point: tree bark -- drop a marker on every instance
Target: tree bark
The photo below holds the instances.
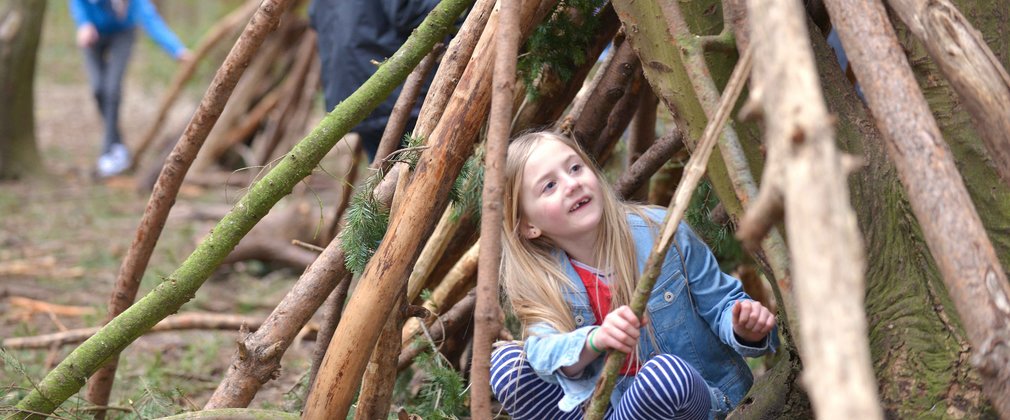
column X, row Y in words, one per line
column 167, row 186
column 165, row 299
column 486, row 311
column 806, row 176
column 971, row 68
column 953, row 230
column 449, row 145
column 20, row 29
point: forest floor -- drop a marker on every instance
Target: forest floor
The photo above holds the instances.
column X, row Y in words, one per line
column 62, row 242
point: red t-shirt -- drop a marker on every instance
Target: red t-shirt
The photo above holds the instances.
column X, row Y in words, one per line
column 599, row 302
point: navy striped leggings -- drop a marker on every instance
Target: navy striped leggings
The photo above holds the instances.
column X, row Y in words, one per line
column 666, row 387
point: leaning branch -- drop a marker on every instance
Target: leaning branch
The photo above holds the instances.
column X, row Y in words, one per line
column 805, row 175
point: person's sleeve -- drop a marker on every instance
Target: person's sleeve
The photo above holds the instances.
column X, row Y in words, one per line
column 156, row 28
column 715, row 293
column 77, row 12
column 408, row 14
column 549, row 350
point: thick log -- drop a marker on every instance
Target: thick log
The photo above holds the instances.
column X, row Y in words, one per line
column 973, row 71
column 957, row 240
column 486, row 323
column 805, row 174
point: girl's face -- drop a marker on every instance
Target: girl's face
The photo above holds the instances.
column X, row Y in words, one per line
column 560, row 196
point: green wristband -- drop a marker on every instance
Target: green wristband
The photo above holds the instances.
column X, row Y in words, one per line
column 591, row 335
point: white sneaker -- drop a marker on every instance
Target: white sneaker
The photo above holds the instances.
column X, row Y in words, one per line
column 114, row 162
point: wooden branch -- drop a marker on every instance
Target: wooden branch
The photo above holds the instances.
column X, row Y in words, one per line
column 608, row 92
column 234, row 414
column 333, row 308
column 578, row 104
column 222, row 28
column 166, row 188
column 658, row 154
column 486, row 323
column 642, row 136
column 682, row 197
column 291, row 90
column 266, row 248
column 619, row 118
column 400, row 115
column 460, row 278
column 454, row 61
column 971, row 270
column 449, row 146
column 804, row 173
column 346, row 188
column 380, row 373
column 446, row 325
column 434, row 247
column 973, row 70
column 183, row 321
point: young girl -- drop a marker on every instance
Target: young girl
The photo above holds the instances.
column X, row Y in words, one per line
column 573, row 254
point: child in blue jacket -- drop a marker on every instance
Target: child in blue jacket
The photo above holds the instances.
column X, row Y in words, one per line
column 105, row 33
column 572, row 255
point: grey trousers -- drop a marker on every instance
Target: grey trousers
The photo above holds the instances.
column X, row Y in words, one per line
column 106, row 63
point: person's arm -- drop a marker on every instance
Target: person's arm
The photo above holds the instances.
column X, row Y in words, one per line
column 147, row 16
column 716, row 294
column 87, row 33
column 77, row 13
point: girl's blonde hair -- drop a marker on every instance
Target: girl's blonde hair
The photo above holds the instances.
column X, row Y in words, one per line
column 532, row 277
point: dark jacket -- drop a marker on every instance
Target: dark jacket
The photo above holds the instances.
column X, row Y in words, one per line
column 353, row 33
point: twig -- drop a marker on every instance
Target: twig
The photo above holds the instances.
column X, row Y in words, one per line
column 447, row 324
column 307, row 245
column 183, row 321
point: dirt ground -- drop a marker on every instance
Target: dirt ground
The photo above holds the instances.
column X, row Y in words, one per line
column 62, row 242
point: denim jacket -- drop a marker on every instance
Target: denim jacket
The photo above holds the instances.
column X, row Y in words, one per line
column 690, row 317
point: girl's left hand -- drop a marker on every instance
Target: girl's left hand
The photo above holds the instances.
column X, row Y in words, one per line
column 751, row 320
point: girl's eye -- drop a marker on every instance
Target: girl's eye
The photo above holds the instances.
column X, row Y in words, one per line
column 576, row 167
column 549, row 186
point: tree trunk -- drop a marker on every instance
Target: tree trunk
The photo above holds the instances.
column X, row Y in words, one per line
column 20, row 29
column 918, row 346
column 939, row 199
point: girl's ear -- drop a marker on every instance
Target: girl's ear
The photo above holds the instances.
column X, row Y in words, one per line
column 529, row 231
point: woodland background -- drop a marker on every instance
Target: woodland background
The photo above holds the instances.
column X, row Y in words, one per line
column 915, row 334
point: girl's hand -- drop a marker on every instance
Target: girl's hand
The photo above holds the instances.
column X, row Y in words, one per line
column 620, row 331
column 751, row 320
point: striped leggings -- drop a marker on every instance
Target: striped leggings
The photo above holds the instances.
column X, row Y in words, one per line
column 666, row 387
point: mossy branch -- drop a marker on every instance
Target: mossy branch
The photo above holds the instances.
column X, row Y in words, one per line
column 181, row 286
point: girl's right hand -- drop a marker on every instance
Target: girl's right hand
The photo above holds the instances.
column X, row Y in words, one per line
column 620, row 331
